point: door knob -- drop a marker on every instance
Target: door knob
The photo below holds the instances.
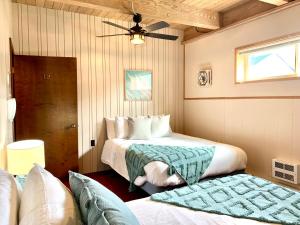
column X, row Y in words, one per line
column 73, row 125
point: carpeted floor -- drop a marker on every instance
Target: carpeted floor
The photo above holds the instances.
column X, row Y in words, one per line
column 116, row 183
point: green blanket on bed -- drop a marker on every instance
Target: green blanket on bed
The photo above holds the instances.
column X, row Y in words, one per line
column 241, row 196
column 189, row 162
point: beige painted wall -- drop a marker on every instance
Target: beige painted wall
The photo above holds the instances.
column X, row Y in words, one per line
column 218, row 51
column 264, row 128
column 101, row 65
column 5, row 126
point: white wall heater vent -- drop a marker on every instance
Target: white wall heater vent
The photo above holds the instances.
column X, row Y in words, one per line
column 286, row 171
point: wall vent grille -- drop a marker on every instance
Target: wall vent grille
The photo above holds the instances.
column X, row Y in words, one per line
column 286, row 171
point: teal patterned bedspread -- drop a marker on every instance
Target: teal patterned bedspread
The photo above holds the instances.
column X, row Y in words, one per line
column 189, row 162
column 241, row 196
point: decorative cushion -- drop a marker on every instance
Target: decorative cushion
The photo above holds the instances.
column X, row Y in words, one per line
column 45, row 200
column 160, row 126
column 99, row 206
column 121, row 127
column 110, row 128
column 9, row 199
column 139, row 128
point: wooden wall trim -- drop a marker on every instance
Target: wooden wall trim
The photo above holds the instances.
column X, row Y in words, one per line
column 248, row 20
column 275, row 2
column 270, row 42
column 244, row 97
column 184, row 71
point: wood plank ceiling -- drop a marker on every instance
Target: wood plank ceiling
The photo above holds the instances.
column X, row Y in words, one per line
column 194, row 16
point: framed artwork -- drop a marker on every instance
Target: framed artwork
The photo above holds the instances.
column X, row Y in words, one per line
column 138, row 85
column 205, row 78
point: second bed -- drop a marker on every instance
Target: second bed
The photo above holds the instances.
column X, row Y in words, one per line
column 227, row 159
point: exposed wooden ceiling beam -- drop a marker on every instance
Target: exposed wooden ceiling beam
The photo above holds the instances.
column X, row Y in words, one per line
column 248, row 20
column 192, row 32
column 174, row 12
column 244, row 11
column 275, row 2
column 233, row 15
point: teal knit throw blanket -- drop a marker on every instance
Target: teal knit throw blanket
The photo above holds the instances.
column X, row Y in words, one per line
column 241, row 196
column 189, row 162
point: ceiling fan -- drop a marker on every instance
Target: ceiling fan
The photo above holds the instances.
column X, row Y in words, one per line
column 137, row 33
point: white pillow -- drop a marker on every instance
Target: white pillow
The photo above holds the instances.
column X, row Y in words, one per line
column 160, row 126
column 9, row 199
column 110, row 128
column 139, row 128
column 121, row 127
column 45, row 200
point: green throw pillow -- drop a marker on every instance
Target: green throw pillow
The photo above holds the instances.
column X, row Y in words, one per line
column 98, row 205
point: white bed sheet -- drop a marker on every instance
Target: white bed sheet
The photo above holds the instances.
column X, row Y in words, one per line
column 227, row 158
column 155, row 213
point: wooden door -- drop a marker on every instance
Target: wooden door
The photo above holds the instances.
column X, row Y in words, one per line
column 45, row 89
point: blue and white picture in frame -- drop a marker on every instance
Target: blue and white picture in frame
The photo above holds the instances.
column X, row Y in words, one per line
column 138, row 85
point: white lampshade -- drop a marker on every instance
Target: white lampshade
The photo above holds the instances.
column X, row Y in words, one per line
column 22, row 155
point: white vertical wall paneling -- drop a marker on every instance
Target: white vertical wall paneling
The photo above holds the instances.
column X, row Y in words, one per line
column 5, row 125
column 101, row 63
column 43, row 31
column 264, row 128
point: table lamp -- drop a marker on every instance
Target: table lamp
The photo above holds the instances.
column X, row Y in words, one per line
column 22, row 155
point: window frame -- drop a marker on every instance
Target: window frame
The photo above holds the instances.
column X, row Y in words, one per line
column 240, row 60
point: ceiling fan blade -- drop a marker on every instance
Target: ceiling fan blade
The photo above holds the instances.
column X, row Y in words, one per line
column 162, row 36
column 111, row 35
column 156, row 26
column 115, row 25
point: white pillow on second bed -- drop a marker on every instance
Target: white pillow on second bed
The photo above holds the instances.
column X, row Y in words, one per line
column 160, row 126
column 110, row 128
column 121, row 127
column 138, row 127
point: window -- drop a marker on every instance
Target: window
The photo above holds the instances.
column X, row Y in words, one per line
column 275, row 60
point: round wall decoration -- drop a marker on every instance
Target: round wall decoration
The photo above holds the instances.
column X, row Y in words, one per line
column 204, row 77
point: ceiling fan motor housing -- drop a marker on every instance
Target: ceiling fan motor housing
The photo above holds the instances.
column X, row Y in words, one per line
column 137, row 18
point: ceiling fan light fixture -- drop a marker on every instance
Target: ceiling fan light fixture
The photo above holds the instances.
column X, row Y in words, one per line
column 137, row 39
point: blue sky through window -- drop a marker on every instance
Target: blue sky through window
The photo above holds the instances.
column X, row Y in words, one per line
column 277, row 61
column 256, row 59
